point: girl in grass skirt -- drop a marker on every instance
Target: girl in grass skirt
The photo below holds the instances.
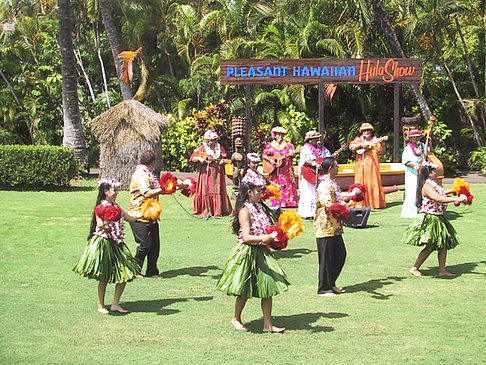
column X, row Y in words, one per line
column 252, row 270
column 430, row 228
column 106, row 258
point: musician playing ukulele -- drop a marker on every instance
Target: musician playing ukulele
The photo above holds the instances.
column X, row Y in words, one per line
column 368, row 149
column 277, row 163
column 211, row 198
column 310, row 155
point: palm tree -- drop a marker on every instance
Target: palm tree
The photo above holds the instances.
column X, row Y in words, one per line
column 73, row 129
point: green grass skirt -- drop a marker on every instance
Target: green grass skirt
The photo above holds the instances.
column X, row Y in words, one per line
column 432, row 230
column 107, row 261
column 252, row 271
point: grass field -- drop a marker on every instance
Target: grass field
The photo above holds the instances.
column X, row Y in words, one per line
column 48, row 314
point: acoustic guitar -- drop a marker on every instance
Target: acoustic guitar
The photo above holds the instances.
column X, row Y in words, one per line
column 312, row 174
column 276, row 160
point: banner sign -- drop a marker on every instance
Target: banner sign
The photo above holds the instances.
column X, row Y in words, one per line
column 317, row 70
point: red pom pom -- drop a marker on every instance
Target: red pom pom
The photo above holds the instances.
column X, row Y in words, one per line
column 279, row 242
column 358, row 197
column 189, row 188
column 339, row 211
column 168, row 183
column 108, row 212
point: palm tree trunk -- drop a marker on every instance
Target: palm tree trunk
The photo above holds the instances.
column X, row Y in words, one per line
column 115, row 45
column 396, row 48
column 461, row 101
column 73, row 129
column 102, row 65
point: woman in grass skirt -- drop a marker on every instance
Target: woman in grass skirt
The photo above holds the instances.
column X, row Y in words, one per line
column 430, row 228
column 252, row 270
column 106, row 258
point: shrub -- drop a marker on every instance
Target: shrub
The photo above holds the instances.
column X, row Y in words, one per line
column 36, row 166
column 477, row 159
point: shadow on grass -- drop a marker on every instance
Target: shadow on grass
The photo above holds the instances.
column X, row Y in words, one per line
column 392, row 204
column 459, row 269
column 293, row 254
column 450, row 215
column 372, row 286
column 297, row 322
column 190, row 271
column 158, row 306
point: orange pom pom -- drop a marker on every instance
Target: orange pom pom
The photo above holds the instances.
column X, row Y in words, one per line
column 151, row 209
column 291, row 223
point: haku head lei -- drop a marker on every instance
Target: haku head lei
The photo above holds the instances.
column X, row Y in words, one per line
column 111, row 182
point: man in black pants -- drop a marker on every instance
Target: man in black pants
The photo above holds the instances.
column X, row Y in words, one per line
column 328, row 231
column 145, row 185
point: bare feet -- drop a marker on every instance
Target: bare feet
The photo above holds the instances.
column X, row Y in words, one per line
column 102, row 310
column 446, row 273
column 336, row 290
column 328, row 293
column 274, row 329
column 117, row 308
column 156, row 277
column 238, row 325
column 138, row 276
column 415, row 272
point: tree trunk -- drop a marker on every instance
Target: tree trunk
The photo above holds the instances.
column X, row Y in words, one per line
column 461, row 101
column 73, row 129
column 396, row 48
column 115, row 45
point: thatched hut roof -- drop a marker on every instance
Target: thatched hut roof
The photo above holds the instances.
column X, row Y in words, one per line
column 124, row 132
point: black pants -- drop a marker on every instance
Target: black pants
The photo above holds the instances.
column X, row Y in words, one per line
column 332, row 255
column 147, row 236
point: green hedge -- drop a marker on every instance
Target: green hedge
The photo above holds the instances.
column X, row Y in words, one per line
column 36, row 166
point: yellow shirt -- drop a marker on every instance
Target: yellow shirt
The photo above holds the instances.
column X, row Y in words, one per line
column 139, row 185
column 325, row 225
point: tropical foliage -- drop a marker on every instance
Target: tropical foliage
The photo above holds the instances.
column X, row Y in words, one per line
column 183, row 41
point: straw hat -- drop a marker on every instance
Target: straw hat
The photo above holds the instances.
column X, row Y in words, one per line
column 279, row 129
column 312, row 135
column 366, row 126
column 210, row 135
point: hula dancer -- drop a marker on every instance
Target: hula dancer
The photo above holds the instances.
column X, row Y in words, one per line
column 106, row 258
column 430, row 227
column 252, row 270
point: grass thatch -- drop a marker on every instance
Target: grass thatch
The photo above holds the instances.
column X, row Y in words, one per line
column 124, row 132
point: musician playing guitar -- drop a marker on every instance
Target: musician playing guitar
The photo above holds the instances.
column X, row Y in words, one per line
column 310, row 155
column 368, row 149
column 211, row 198
column 277, row 163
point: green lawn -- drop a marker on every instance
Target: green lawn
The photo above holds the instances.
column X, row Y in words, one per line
column 48, row 314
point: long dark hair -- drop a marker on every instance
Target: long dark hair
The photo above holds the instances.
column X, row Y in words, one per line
column 425, row 172
column 101, row 196
column 243, row 196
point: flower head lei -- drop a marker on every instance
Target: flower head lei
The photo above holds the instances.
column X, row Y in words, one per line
column 430, row 164
column 111, row 182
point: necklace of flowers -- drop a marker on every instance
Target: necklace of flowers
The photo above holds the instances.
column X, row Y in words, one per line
column 415, row 152
column 279, row 146
column 213, row 153
column 153, row 179
column 334, row 185
column 316, row 151
column 117, row 227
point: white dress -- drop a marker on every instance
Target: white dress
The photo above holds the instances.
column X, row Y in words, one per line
column 307, row 190
column 409, row 209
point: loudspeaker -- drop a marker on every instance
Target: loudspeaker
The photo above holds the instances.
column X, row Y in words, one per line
column 358, row 217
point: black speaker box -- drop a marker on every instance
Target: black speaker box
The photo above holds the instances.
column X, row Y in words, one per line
column 358, row 217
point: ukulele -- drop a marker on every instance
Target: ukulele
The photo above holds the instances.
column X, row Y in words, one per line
column 312, row 174
column 209, row 159
column 276, row 160
column 372, row 144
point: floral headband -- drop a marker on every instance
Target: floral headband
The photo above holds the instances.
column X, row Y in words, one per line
column 111, row 182
column 253, row 157
column 430, row 164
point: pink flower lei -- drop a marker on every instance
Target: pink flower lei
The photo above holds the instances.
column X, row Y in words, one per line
column 153, row 179
column 316, row 151
column 415, row 152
